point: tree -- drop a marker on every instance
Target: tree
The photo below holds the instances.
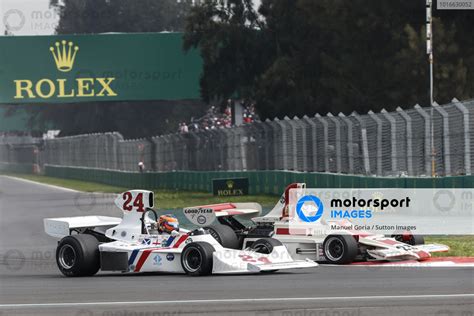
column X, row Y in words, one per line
column 233, row 46
column 330, row 55
column 101, row 16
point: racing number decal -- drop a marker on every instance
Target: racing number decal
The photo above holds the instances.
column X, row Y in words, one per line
column 138, row 203
column 127, row 196
column 248, row 258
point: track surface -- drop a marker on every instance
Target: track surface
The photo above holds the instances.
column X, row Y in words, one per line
column 30, row 283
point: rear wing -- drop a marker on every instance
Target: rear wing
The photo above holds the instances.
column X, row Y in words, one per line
column 206, row 214
column 132, row 203
column 62, row 226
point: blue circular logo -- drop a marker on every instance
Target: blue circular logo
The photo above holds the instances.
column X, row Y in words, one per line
column 315, row 200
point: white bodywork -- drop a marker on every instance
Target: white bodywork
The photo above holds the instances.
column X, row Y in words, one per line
column 155, row 252
column 307, row 244
column 163, row 254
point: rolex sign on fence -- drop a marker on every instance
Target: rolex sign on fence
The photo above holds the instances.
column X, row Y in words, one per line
column 230, row 187
column 106, row 67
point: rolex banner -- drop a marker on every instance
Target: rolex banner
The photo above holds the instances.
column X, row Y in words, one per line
column 106, row 67
column 230, row 187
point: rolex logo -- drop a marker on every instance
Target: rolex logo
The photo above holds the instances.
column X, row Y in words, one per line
column 64, row 55
column 230, row 184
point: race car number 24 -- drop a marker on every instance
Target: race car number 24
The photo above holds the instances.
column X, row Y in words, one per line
column 138, row 202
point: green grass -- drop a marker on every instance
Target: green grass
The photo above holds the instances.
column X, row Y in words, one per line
column 164, row 199
column 71, row 184
column 461, row 246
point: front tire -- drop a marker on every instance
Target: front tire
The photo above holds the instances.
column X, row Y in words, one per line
column 410, row 239
column 78, row 255
column 265, row 246
column 197, row 259
column 340, row 249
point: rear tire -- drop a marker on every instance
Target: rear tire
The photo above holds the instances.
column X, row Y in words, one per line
column 340, row 249
column 196, row 258
column 224, row 235
column 78, row 255
column 265, row 246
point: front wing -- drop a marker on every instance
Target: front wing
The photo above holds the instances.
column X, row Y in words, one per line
column 382, row 248
column 242, row 261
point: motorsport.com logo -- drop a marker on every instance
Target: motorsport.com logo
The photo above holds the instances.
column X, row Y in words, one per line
column 346, row 208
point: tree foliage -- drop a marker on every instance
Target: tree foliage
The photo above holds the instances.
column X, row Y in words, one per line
column 305, row 56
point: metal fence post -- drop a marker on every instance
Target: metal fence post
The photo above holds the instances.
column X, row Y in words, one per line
column 350, row 148
column 409, row 140
column 427, row 141
column 393, row 138
column 467, row 139
column 446, row 139
column 300, row 139
column 337, row 141
column 284, row 142
column 326, row 143
column 365, row 146
column 379, row 141
column 313, row 137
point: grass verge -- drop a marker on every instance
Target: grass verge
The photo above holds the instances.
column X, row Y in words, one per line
column 461, row 246
column 164, row 199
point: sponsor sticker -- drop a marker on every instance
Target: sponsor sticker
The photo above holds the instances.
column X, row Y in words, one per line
column 157, row 260
column 200, row 216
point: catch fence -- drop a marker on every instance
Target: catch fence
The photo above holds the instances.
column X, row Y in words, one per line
column 377, row 144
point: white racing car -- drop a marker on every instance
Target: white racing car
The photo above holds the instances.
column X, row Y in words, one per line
column 142, row 241
column 321, row 245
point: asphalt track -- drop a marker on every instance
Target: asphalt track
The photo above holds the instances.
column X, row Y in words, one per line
column 30, row 283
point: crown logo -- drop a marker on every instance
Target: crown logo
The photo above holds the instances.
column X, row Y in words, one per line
column 230, row 184
column 64, row 55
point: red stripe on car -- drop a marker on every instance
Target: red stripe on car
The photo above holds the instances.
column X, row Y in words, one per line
column 180, row 241
column 142, row 259
column 218, row 207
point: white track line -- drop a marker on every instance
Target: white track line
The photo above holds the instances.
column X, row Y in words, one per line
column 42, row 184
column 242, row 300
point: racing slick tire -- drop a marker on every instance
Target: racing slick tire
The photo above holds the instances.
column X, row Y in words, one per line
column 78, row 255
column 196, row 258
column 265, row 246
column 224, row 235
column 410, row 239
column 340, row 249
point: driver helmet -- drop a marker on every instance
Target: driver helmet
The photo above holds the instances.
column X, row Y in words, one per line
column 168, row 223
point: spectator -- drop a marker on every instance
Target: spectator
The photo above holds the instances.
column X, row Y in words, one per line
column 141, row 167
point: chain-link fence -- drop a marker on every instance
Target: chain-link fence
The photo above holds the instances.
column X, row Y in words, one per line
column 384, row 144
